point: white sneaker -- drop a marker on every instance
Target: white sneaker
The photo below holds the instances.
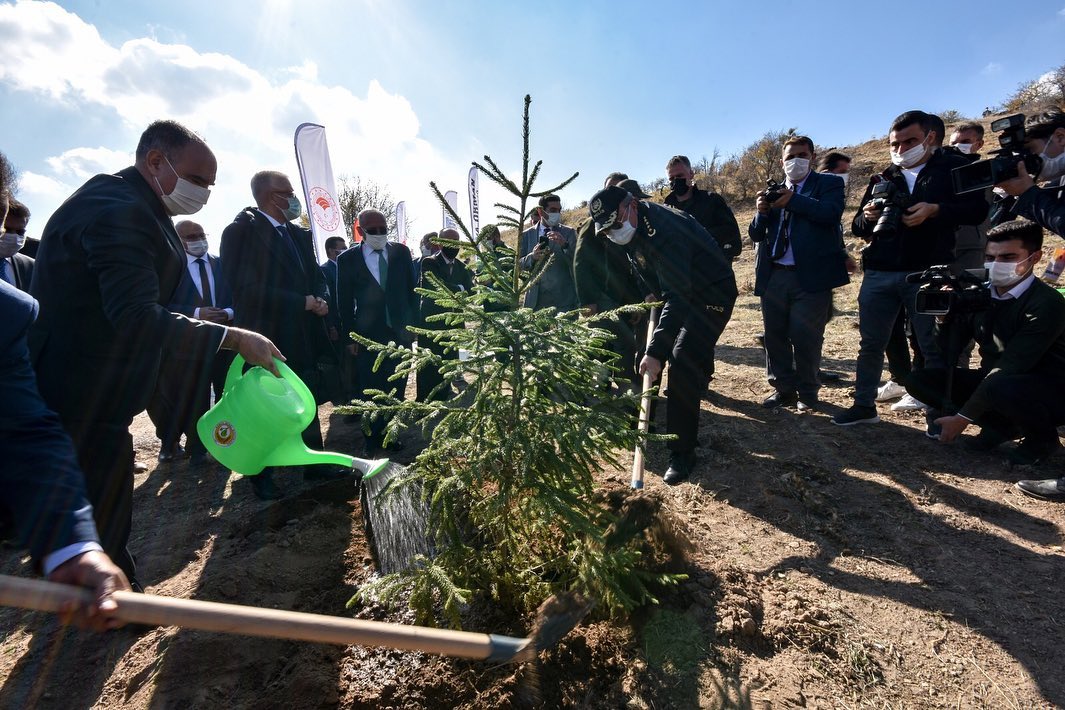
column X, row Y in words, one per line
column 891, row 390
column 908, row 404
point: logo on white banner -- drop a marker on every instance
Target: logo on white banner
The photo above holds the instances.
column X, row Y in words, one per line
column 324, row 208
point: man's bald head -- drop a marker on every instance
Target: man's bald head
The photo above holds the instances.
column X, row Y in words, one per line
column 452, row 234
column 372, row 219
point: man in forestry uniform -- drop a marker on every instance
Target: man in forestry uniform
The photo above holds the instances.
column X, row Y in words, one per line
column 678, row 262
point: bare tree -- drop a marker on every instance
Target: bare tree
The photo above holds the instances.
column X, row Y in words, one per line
column 356, row 194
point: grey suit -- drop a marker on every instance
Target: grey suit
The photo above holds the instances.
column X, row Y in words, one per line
column 555, row 288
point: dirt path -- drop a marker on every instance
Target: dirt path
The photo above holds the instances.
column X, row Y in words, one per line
column 835, row 567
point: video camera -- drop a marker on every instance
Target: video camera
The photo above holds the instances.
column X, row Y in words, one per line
column 893, row 202
column 985, row 173
column 946, row 294
column 773, row 190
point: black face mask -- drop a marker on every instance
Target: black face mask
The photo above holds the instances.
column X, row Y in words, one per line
column 450, row 252
column 678, row 185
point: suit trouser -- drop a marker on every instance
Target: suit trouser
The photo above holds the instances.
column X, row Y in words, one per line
column 430, row 377
column 690, row 366
column 794, row 322
column 1031, row 403
column 105, row 452
column 379, row 380
column 182, row 395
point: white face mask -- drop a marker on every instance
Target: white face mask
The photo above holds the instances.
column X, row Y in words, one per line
column 186, row 198
column 553, row 219
column 909, row 158
column 964, row 148
column 1004, row 274
column 426, row 251
column 1052, row 167
column 796, row 169
column 10, row 243
column 196, row 248
column 376, row 241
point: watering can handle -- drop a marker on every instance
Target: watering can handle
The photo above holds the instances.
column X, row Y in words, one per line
column 236, row 368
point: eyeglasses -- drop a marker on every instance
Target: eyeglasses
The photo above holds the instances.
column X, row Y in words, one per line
column 196, row 235
column 375, row 231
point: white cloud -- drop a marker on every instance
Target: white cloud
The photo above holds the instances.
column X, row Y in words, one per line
column 1061, row 12
column 991, row 69
column 34, row 185
column 83, row 163
column 247, row 118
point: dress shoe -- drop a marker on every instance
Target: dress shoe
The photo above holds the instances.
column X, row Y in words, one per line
column 680, row 468
column 987, row 440
column 171, row 454
column 808, row 404
column 1032, row 451
column 1047, row 489
column 827, row 376
column 264, row 487
column 320, row 473
column 780, row 399
column 201, row 459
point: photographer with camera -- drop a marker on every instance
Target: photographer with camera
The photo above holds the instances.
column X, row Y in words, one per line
column 908, row 215
column 800, row 260
column 1019, row 389
column 1044, row 136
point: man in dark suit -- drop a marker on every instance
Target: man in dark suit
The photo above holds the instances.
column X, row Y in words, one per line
column 455, row 276
column 801, row 258
column 279, row 290
column 183, row 392
column 41, row 486
column 334, row 247
column 16, row 267
column 18, row 219
column 109, row 259
column 39, row 476
column 375, row 293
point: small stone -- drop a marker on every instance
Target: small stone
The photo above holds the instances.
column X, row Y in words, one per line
column 749, row 627
column 228, row 589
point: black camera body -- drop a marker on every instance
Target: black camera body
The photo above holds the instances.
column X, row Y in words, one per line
column 983, row 174
column 773, row 190
column 893, row 202
column 544, row 242
column 943, row 293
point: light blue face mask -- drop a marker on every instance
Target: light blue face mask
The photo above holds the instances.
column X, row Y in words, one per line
column 294, row 209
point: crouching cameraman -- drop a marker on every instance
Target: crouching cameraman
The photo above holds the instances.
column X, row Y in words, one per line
column 1019, row 390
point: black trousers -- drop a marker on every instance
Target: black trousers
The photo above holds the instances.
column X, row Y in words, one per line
column 794, row 322
column 105, row 453
column 430, row 377
column 183, row 394
column 690, row 367
column 368, row 379
column 1030, row 404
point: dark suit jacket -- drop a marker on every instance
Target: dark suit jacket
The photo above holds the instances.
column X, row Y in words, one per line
column 23, row 271
column 109, row 259
column 329, row 271
column 456, row 276
column 816, row 240
column 39, row 476
column 362, row 302
column 270, row 290
column 186, row 300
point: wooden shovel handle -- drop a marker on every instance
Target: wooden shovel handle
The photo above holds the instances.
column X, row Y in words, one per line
column 271, row 623
column 645, row 407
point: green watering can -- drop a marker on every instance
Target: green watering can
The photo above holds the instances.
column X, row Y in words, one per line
column 258, row 422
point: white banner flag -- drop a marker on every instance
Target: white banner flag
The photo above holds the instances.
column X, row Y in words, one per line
column 401, row 222
column 475, row 203
column 319, row 189
column 452, row 199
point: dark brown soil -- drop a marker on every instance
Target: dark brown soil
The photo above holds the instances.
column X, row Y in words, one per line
column 832, row 567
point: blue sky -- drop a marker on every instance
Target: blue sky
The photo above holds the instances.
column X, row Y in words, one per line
column 413, row 91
